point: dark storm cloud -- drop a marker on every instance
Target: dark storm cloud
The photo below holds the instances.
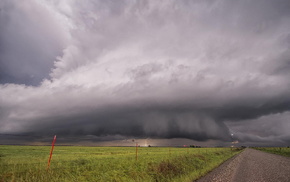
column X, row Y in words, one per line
column 168, row 69
column 266, row 130
column 30, row 40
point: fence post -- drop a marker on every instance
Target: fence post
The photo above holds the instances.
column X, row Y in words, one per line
column 51, row 150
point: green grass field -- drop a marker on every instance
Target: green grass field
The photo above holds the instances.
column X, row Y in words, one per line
column 70, row 163
column 276, row 150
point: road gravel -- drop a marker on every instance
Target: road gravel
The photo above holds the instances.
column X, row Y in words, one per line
column 251, row 166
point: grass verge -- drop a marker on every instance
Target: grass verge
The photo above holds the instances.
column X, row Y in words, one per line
column 284, row 151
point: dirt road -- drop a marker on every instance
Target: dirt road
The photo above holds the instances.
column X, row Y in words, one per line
column 252, row 166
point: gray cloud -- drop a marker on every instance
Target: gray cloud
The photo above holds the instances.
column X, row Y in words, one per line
column 30, row 40
column 266, row 130
column 166, row 69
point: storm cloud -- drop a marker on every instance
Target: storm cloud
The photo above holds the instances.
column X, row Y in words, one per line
column 199, row 70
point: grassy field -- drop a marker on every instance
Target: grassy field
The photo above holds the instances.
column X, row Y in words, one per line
column 276, row 150
column 70, row 163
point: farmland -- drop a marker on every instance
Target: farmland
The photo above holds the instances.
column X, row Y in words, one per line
column 72, row 163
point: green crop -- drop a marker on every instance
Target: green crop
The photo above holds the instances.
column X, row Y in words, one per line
column 71, row 163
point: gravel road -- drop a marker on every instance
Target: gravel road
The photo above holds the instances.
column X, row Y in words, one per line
column 252, row 166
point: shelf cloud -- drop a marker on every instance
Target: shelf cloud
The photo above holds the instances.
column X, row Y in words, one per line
column 201, row 70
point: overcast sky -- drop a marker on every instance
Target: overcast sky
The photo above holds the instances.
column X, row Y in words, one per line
column 94, row 70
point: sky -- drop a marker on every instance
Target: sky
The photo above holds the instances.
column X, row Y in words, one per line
column 206, row 72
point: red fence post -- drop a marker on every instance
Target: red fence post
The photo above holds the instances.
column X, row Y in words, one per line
column 51, row 150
